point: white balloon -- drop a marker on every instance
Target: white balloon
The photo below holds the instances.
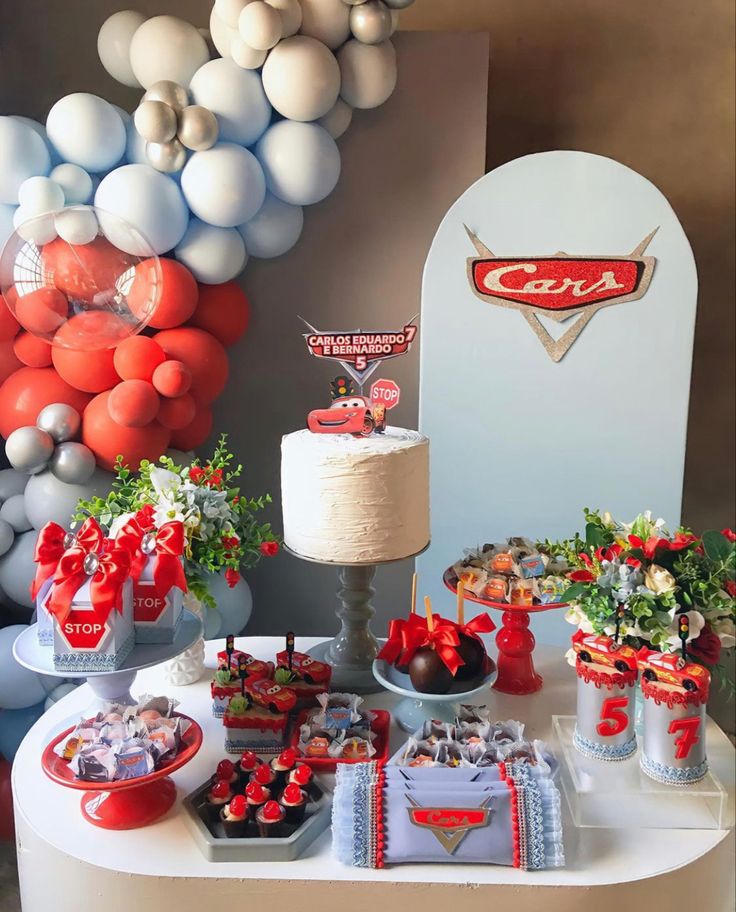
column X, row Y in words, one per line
column 113, row 45
column 245, row 56
column 17, row 568
column 326, row 20
column 274, row 229
column 291, row 15
column 337, row 119
column 229, row 11
column 7, row 537
column 212, row 255
column 87, row 131
column 222, row 34
column 23, row 154
column 19, row 687
column 260, row 25
column 76, row 226
column 34, row 228
column 12, row 482
column 149, row 201
column 300, row 160
column 40, row 194
column 48, row 498
column 236, row 97
column 368, row 73
column 13, row 512
column 166, row 47
column 74, row 181
column 224, row 186
column 301, row 78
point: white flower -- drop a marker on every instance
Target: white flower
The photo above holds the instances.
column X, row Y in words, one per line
column 167, row 510
column 659, row 580
column 697, row 622
column 117, row 524
column 726, row 630
column 165, row 483
column 574, row 615
column 570, row 657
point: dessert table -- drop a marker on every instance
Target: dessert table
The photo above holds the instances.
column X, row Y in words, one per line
column 63, row 861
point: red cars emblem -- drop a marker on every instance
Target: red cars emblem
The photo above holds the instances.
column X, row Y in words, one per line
column 559, row 286
column 449, row 825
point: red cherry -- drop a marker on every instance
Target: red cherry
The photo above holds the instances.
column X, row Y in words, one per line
column 238, row 806
column 220, row 789
column 287, row 758
column 225, row 769
column 293, row 794
column 263, row 775
column 302, row 775
column 248, row 760
column 256, row 793
column 272, row 811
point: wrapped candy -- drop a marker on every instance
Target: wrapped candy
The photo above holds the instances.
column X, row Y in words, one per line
column 337, row 710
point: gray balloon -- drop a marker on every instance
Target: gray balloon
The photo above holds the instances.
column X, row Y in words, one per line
column 155, row 121
column 398, row 4
column 168, row 157
column 180, row 457
column 171, row 93
column 198, row 128
column 60, row 421
column 7, row 537
column 48, row 498
column 17, row 569
column 13, row 511
column 11, row 482
column 371, row 22
column 73, row 463
column 29, row 449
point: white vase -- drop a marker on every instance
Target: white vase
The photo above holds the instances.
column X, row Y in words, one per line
column 188, row 667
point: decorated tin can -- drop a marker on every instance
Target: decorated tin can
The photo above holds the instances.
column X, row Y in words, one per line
column 607, row 674
column 675, row 696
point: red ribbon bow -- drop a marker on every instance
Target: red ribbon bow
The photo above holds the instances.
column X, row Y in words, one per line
column 481, row 623
column 50, row 548
column 167, row 568
column 413, row 634
column 106, row 582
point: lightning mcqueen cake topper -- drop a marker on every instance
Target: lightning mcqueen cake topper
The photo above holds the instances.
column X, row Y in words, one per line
column 560, row 286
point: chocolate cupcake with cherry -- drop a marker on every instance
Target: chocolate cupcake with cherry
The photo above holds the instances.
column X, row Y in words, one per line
column 270, row 820
column 217, row 797
column 263, row 775
column 246, row 765
column 234, row 817
column 256, row 796
column 302, row 776
column 294, row 802
column 226, row 771
column 282, row 765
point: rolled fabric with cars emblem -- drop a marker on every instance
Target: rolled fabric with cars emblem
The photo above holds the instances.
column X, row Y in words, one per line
column 607, row 675
column 675, row 695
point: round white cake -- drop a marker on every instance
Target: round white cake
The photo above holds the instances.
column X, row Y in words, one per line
column 353, row 500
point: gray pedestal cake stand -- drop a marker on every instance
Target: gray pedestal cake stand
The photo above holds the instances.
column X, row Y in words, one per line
column 353, row 650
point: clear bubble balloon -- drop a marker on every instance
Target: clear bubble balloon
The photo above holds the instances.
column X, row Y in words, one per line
column 73, row 290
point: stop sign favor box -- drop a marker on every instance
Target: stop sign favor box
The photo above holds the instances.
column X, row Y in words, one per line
column 156, row 617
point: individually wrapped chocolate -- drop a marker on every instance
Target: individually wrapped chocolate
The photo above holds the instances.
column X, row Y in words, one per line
column 337, row 710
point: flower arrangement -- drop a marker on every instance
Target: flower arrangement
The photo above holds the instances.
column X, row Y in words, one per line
column 221, row 529
column 655, row 577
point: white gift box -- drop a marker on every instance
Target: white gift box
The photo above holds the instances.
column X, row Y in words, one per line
column 44, row 620
column 156, row 619
column 82, row 643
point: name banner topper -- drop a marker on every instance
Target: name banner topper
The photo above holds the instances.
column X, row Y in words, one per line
column 360, row 352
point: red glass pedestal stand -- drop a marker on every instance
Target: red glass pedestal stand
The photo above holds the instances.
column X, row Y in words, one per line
column 515, row 641
column 129, row 803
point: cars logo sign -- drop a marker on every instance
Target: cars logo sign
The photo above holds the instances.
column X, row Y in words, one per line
column 559, row 287
column 449, row 825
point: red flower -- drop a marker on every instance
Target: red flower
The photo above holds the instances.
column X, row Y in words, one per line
column 729, row 534
column 196, row 473
column 269, row 548
column 581, row 576
column 232, row 577
column 144, row 517
column 215, row 478
column 682, row 540
column 609, row 553
column 230, row 541
column 707, row 647
column 633, row 562
column 731, row 588
column 585, row 558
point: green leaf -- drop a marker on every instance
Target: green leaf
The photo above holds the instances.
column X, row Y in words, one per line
column 574, row 592
column 594, row 535
column 716, row 546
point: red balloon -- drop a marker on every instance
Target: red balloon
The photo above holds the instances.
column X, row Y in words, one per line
column 137, row 357
column 9, row 326
column 84, row 270
column 202, row 354
column 92, row 330
column 32, row 351
column 172, row 379
column 178, row 413
column 9, row 362
column 177, row 293
column 195, row 433
column 133, row 403
column 90, row 371
column 30, row 389
column 7, row 828
column 42, row 311
column 107, row 439
column 223, row 310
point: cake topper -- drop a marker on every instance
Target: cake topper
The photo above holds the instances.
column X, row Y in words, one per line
column 349, row 413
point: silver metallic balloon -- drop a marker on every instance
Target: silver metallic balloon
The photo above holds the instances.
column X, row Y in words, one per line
column 29, row 449
column 60, row 421
column 155, row 121
column 72, row 463
column 171, row 93
column 371, row 22
column 398, row 4
column 168, row 157
column 198, row 128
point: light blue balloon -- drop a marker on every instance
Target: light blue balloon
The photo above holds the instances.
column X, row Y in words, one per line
column 235, row 96
column 234, row 605
column 7, row 536
column 6, row 224
column 17, row 569
column 224, row 186
column 301, row 162
column 274, row 229
column 13, row 512
column 19, row 687
column 75, row 182
column 12, row 482
column 23, row 154
column 149, row 201
column 87, row 131
column 135, row 147
column 41, row 130
column 212, row 255
column 15, row 725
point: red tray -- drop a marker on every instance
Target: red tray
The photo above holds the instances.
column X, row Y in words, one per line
column 380, row 725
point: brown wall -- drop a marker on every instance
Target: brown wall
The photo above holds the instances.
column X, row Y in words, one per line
column 651, row 84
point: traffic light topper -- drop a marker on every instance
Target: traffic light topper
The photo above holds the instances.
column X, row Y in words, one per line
column 242, row 673
column 290, row 647
column 619, row 617
column 683, row 626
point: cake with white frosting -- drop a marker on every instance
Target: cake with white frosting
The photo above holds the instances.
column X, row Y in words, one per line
column 352, row 499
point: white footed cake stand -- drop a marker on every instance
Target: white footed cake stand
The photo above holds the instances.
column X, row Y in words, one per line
column 352, row 652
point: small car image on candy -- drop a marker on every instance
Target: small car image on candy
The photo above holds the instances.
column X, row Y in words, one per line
column 348, row 415
column 273, row 696
column 670, row 668
column 604, row 650
column 309, row 669
column 256, row 668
